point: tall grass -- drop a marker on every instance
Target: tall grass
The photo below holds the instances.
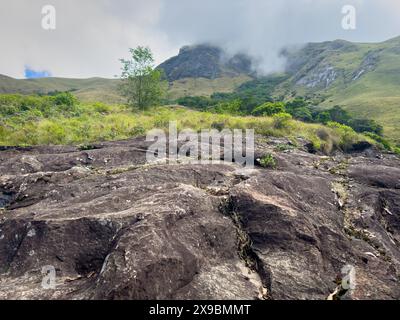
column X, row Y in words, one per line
column 94, row 122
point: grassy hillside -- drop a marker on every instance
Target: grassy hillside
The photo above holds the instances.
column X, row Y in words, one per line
column 363, row 78
column 105, row 90
column 93, row 89
column 33, row 120
column 204, row 87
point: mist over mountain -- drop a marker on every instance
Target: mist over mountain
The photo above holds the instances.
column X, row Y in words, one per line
column 92, row 35
column 361, row 77
column 206, row 61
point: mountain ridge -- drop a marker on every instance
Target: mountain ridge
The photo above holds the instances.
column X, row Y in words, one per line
column 364, row 78
column 205, row 61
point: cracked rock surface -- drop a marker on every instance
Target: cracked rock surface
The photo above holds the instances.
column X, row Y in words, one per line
column 114, row 227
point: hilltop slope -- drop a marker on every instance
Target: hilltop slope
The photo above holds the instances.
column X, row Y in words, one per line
column 205, row 61
column 362, row 77
column 92, row 89
column 204, row 69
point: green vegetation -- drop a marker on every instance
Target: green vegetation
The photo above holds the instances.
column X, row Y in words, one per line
column 283, row 147
column 298, row 108
column 281, row 120
column 61, row 119
column 365, row 87
column 269, row 109
column 141, row 83
column 268, row 161
column 88, row 90
column 204, row 87
column 367, row 80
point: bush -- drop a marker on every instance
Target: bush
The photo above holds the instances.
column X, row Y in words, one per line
column 268, row 161
column 100, row 107
column 339, row 115
column 366, row 125
column 283, row 147
column 197, row 102
column 303, row 114
column 348, row 137
column 382, row 141
column 322, row 117
column 298, row 103
column 65, row 99
column 269, row 109
column 229, row 107
column 281, row 120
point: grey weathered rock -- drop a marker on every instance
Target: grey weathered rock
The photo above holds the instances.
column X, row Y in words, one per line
column 115, row 227
column 205, row 61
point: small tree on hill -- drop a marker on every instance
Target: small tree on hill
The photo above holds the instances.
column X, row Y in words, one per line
column 142, row 84
column 269, row 109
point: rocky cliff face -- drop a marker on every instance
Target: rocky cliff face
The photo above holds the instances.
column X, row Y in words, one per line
column 205, row 61
column 115, row 227
column 321, row 66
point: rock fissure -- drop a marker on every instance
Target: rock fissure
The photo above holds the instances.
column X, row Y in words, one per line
column 129, row 230
column 246, row 251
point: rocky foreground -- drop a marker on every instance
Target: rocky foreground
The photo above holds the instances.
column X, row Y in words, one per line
column 115, row 227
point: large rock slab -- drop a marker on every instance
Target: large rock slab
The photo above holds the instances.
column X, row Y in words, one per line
column 114, row 227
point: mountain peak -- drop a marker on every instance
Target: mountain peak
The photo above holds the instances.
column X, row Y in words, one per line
column 205, row 61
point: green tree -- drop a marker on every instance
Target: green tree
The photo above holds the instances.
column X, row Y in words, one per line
column 303, row 114
column 338, row 114
column 322, row 117
column 297, row 103
column 142, row 84
column 269, row 109
column 366, row 125
column 281, row 120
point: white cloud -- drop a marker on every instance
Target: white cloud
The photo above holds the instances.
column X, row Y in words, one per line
column 92, row 35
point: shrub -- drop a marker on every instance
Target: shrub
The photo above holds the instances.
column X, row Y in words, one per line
column 382, row 141
column 269, row 109
column 281, row 120
column 297, row 103
column 339, row 115
column 322, row 117
column 65, row 99
column 229, row 107
column 348, row 137
column 138, row 131
column 197, row 102
column 283, row 147
column 268, row 161
column 366, row 125
column 101, row 107
column 303, row 114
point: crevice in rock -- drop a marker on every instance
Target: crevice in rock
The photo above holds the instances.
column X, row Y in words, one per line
column 6, row 199
column 118, row 234
column 246, row 251
column 342, row 189
column 14, row 246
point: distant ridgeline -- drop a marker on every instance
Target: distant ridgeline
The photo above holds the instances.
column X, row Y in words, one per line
column 362, row 78
column 205, row 61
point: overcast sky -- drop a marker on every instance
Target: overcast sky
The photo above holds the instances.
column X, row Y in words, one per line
column 91, row 35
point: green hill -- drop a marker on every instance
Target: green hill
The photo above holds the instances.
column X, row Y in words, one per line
column 364, row 78
column 93, row 89
column 105, row 90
